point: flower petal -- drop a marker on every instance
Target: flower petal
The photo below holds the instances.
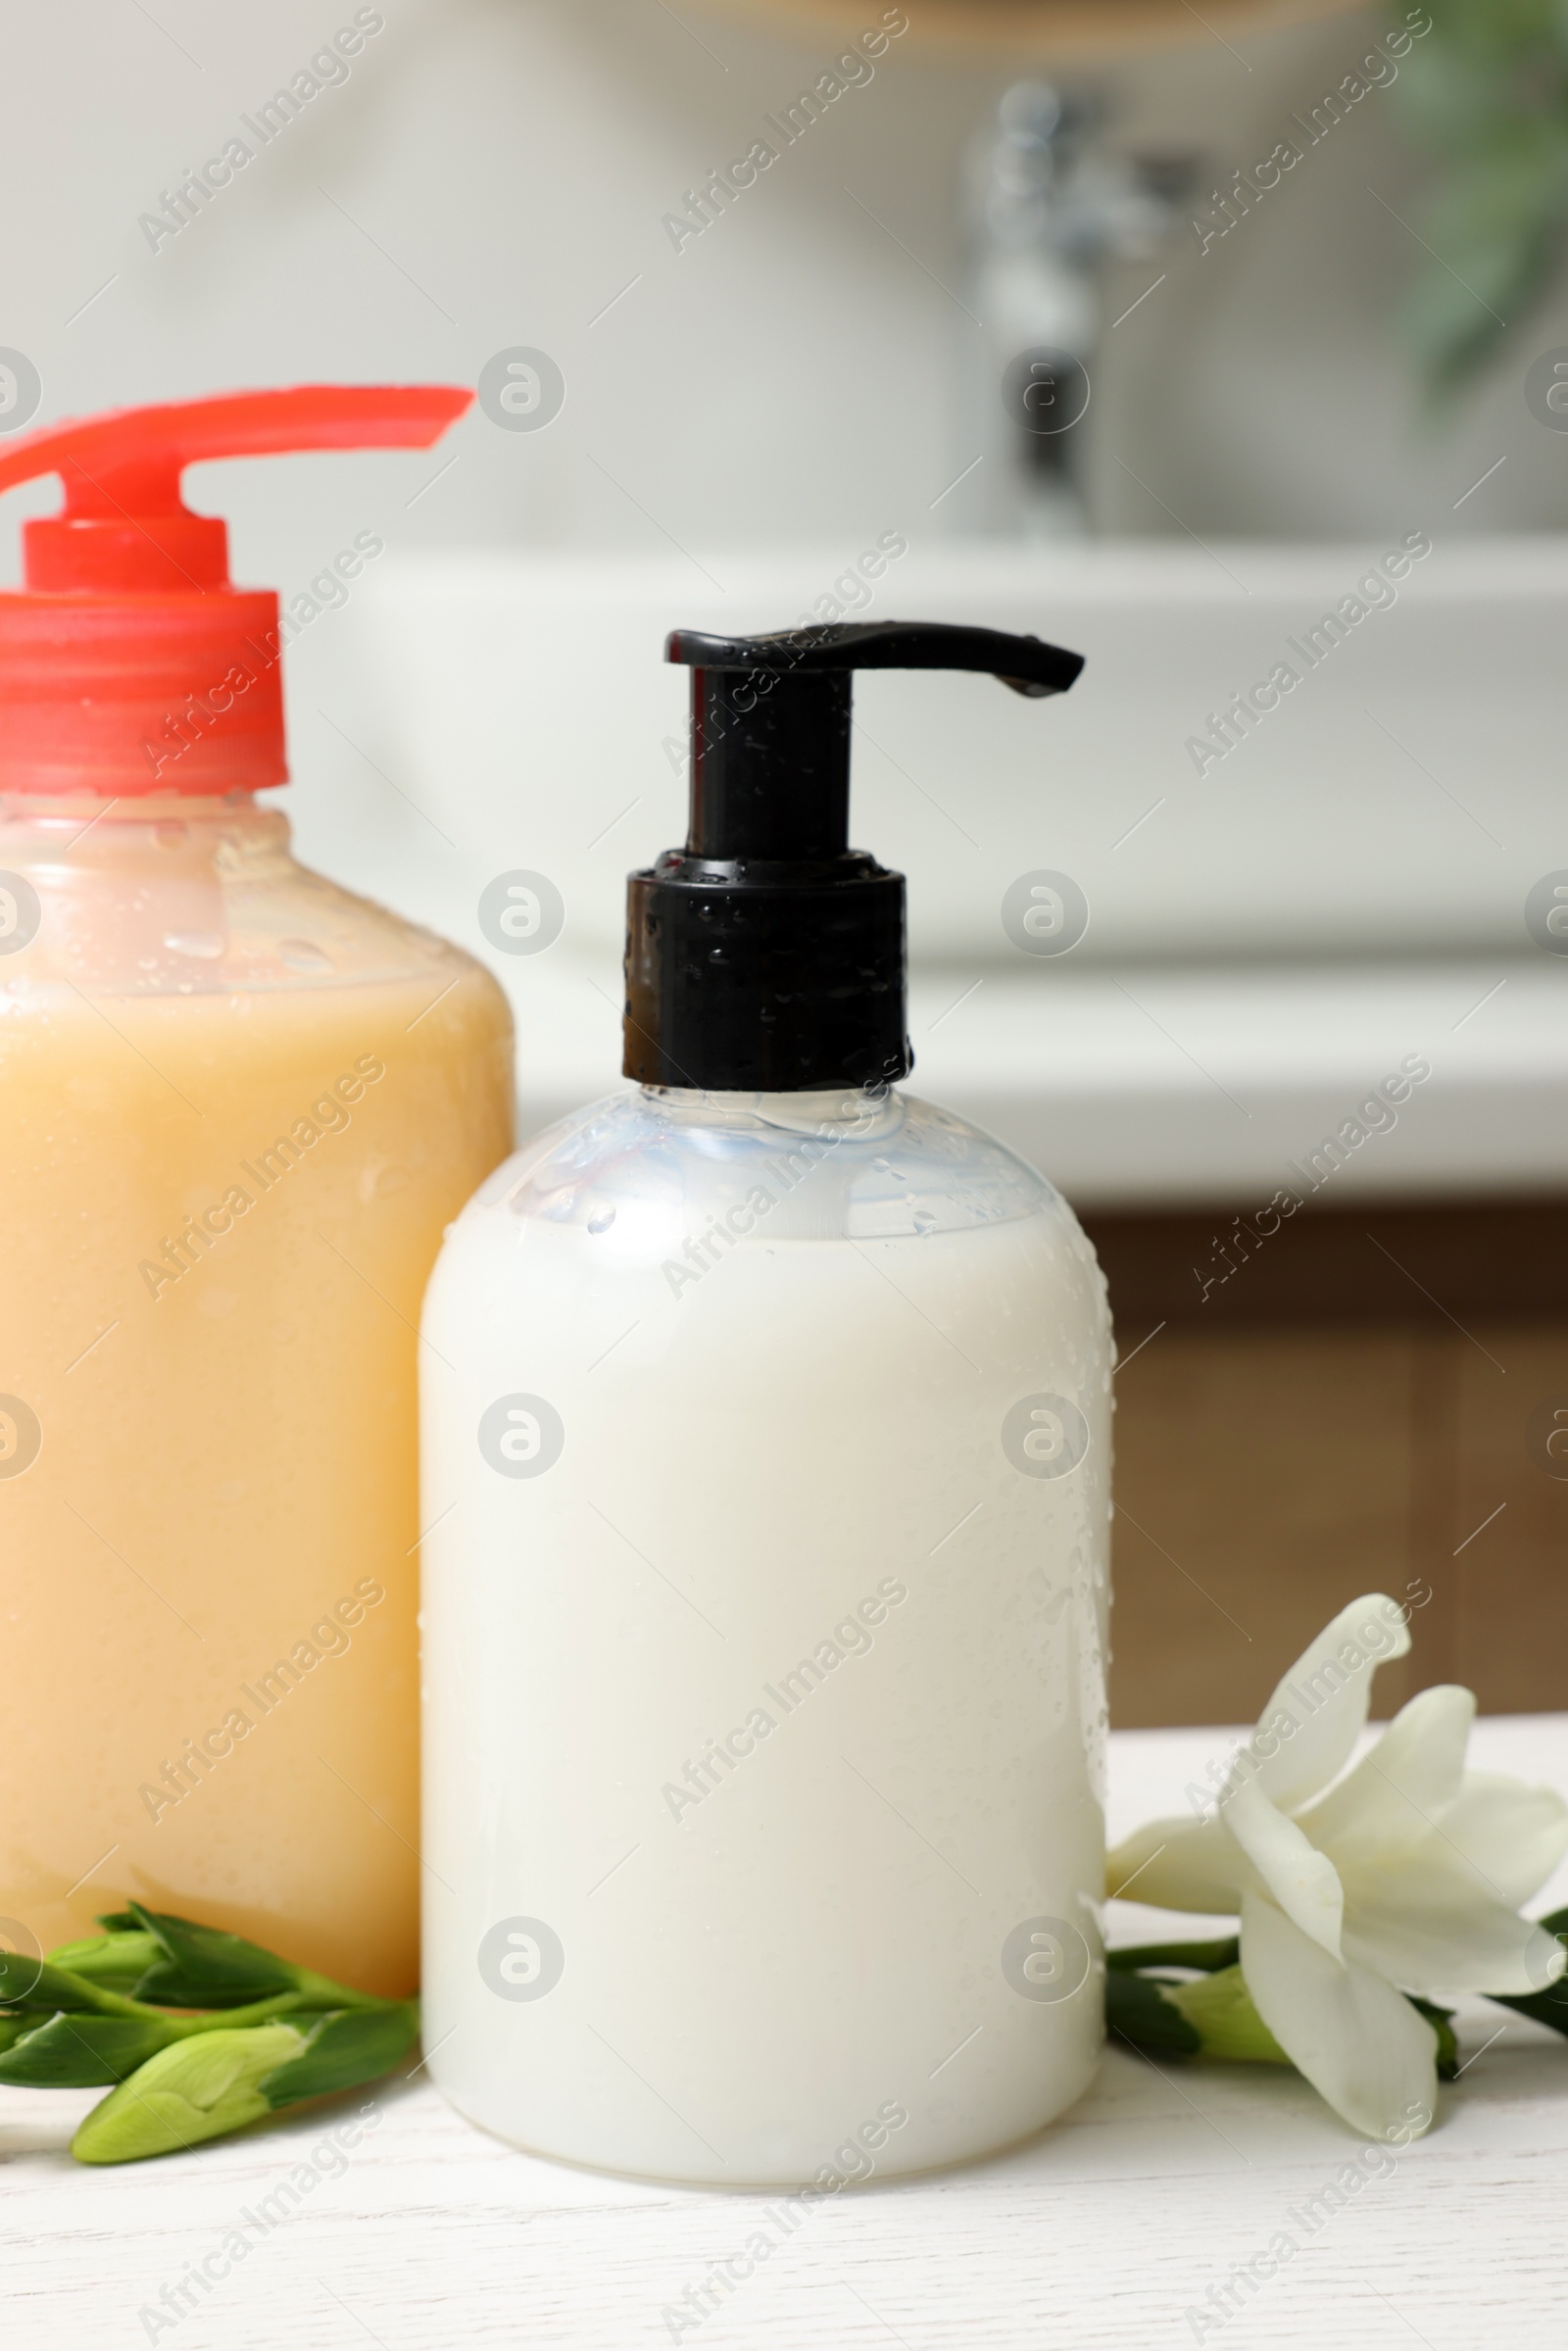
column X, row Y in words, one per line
column 1391, row 1801
column 1305, row 1733
column 1302, row 1880
column 1178, row 1864
column 1512, row 1832
column 1427, row 1928
column 1357, row 2041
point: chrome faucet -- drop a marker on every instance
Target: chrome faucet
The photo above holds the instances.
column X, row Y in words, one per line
column 1048, row 203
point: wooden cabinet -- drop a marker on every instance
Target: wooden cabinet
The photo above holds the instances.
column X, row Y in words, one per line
column 1364, row 1403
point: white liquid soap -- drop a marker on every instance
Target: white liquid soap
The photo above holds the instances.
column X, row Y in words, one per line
column 766, row 1443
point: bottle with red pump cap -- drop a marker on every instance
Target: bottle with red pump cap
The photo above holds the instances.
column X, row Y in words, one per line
column 239, row 1107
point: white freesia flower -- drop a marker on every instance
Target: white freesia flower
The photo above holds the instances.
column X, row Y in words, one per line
column 1403, row 1874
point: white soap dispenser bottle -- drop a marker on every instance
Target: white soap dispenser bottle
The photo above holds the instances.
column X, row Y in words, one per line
column 767, row 1445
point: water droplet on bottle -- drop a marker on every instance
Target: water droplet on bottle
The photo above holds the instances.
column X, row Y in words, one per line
column 601, row 1220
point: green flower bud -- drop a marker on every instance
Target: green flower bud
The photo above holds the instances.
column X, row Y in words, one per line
column 205, row 1966
column 114, row 1961
column 81, row 2051
column 205, row 2085
column 345, row 2048
column 28, row 1982
column 1219, row 2008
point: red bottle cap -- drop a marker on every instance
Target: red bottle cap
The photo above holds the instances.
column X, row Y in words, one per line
column 130, row 663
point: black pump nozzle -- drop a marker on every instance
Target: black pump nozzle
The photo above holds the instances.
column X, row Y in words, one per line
column 768, row 955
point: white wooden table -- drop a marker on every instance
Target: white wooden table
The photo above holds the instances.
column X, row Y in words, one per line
column 1105, row 2231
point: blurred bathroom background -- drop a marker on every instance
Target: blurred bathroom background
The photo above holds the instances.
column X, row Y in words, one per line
column 1165, row 333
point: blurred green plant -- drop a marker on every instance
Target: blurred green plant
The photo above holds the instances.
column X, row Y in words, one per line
column 1487, row 93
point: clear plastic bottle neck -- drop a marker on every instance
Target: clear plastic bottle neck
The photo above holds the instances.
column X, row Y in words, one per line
column 841, row 1111
column 97, row 809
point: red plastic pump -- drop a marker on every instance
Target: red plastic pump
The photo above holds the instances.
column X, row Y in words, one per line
column 130, row 663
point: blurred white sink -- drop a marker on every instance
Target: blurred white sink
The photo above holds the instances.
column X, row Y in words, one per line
column 1339, row 887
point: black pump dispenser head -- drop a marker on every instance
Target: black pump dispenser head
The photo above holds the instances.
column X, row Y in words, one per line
column 768, row 955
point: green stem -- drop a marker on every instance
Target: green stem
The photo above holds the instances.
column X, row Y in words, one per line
column 212, row 2020
column 1548, row 2008
column 1207, row 1957
column 319, row 1992
column 259, row 2012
